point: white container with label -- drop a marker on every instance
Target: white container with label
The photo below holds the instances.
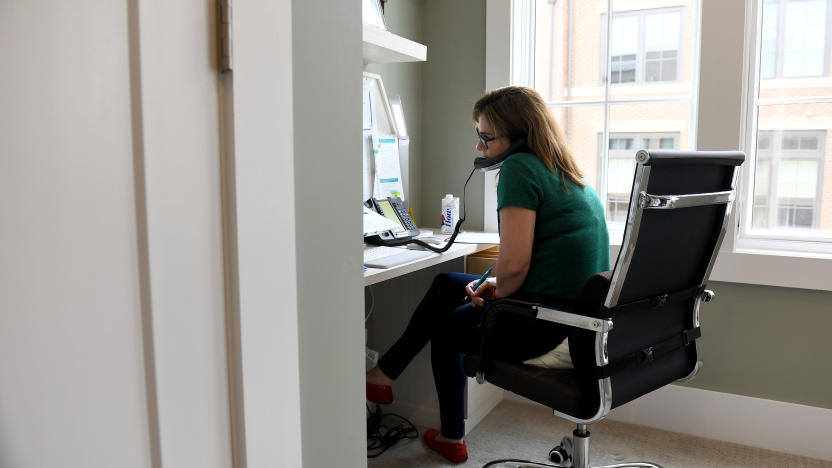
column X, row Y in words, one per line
column 450, row 213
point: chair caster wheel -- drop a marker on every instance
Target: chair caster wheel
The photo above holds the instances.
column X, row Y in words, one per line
column 562, row 454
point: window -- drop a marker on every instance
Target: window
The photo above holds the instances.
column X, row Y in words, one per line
column 788, row 202
column 645, row 98
column 565, row 69
column 644, row 47
column 795, row 38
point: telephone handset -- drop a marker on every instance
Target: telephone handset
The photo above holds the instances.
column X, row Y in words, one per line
column 489, row 164
column 393, row 209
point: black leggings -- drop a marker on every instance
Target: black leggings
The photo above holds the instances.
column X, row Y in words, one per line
column 450, row 324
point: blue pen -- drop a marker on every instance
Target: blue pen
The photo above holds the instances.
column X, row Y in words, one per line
column 481, row 280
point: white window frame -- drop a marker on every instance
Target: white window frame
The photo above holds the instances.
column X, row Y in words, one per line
column 718, row 127
column 772, row 241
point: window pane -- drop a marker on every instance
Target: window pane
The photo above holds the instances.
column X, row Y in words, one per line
column 624, row 35
column 793, row 179
column 663, row 125
column 620, row 176
column 624, row 48
column 582, row 124
column 661, row 31
column 805, row 38
column 797, row 179
column 568, row 68
column 768, row 47
column 648, row 56
column 762, row 174
column 574, row 67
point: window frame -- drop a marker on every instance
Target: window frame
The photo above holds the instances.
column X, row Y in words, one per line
column 746, row 239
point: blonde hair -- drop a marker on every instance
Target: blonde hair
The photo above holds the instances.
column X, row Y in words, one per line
column 519, row 112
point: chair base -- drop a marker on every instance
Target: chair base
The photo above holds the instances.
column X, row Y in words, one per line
column 573, row 452
column 528, row 464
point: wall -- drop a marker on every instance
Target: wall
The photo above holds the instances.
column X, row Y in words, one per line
column 261, row 245
column 326, row 65
column 454, row 78
column 768, row 343
column 72, row 382
column 759, row 341
column 112, row 300
column 404, row 18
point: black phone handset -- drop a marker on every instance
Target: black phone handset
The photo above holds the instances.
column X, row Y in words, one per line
column 489, row 164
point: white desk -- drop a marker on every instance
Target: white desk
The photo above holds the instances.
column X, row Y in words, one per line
column 375, row 275
column 414, row 394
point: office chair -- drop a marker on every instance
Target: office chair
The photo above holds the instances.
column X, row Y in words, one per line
column 634, row 328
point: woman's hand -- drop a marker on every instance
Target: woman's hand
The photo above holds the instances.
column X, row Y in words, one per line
column 485, row 291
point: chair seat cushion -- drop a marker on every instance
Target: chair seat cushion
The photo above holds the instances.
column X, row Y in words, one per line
column 562, row 390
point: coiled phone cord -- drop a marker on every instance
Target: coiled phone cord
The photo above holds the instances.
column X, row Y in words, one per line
column 394, row 243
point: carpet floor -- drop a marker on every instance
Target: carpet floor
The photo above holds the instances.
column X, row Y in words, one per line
column 521, row 430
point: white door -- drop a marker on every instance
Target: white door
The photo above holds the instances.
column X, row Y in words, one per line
column 112, row 304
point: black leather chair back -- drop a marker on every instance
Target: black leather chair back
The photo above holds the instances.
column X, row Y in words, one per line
column 678, row 216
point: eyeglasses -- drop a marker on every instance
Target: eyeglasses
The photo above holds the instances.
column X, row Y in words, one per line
column 484, row 139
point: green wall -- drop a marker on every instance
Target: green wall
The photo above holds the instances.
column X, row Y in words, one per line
column 454, row 79
column 757, row 341
column 768, row 342
column 404, row 17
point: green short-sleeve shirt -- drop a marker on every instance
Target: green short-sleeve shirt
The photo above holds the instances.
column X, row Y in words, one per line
column 571, row 241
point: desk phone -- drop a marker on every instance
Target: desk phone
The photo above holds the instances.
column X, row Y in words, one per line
column 393, row 209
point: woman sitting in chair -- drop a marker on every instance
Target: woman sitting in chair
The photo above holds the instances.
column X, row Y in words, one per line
column 553, row 236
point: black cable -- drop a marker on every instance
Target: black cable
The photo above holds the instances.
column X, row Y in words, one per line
column 395, row 243
column 381, row 436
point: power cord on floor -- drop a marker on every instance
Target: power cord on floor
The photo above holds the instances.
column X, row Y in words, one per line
column 381, row 435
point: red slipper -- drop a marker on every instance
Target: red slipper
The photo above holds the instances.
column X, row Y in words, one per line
column 380, row 393
column 453, row 451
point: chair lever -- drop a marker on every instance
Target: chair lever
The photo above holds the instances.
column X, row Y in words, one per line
column 647, row 355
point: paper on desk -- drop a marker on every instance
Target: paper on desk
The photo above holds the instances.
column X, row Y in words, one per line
column 477, row 238
column 368, row 104
column 388, row 180
column 375, row 223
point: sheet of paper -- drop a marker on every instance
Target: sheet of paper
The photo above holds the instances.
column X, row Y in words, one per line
column 388, row 171
column 375, row 223
column 368, row 182
column 477, row 238
column 368, row 104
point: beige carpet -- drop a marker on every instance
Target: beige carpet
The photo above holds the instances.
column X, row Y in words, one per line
column 526, row 431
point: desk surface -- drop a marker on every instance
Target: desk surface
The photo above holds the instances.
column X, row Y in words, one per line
column 375, row 275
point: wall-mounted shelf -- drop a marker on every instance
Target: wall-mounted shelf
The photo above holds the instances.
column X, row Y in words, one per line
column 382, row 46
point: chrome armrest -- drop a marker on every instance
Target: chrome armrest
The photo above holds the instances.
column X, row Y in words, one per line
column 574, row 320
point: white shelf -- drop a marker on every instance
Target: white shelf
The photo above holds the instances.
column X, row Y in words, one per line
column 382, row 46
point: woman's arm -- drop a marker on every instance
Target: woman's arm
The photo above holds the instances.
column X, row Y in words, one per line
column 516, row 239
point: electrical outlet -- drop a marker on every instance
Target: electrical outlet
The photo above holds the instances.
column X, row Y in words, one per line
column 372, row 357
